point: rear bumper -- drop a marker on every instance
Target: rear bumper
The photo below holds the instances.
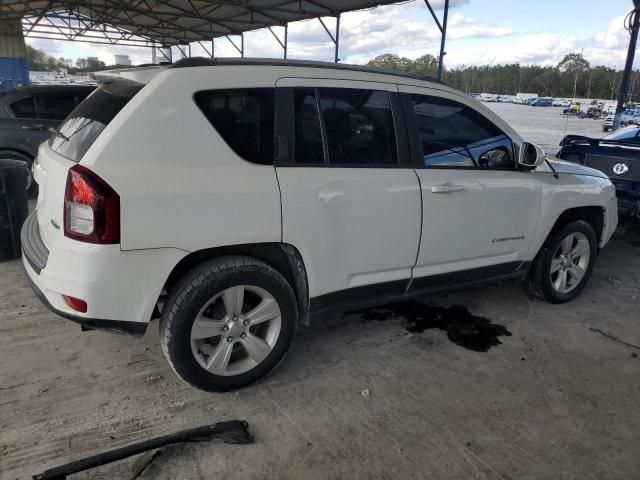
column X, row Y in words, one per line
column 121, row 288
column 136, row 329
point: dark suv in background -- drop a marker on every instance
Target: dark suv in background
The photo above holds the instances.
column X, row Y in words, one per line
column 29, row 114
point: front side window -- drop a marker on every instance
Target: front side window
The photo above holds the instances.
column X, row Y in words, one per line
column 454, row 135
column 24, row 108
column 244, row 118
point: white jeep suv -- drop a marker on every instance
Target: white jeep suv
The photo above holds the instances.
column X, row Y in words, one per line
column 234, row 199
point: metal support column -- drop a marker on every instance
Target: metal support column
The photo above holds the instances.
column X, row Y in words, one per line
column 283, row 44
column 209, row 53
column 240, row 48
column 335, row 39
column 443, row 32
column 624, row 94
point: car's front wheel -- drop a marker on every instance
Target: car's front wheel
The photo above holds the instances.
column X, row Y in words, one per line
column 228, row 323
column 565, row 263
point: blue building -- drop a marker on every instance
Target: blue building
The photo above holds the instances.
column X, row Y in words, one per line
column 13, row 62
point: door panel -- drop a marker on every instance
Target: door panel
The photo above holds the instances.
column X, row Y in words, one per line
column 473, row 217
column 353, row 226
column 490, row 219
column 355, row 222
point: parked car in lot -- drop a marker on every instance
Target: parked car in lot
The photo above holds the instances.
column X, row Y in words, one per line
column 561, row 103
column 608, row 122
column 29, row 114
column 541, row 102
column 235, row 199
column 618, row 156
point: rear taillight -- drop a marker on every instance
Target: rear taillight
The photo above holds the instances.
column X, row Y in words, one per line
column 91, row 208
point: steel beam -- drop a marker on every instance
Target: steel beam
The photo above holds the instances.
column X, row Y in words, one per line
column 443, row 39
column 335, row 39
column 623, row 92
column 443, row 32
column 240, row 48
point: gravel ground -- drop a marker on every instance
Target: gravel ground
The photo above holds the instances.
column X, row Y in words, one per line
column 546, row 126
column 355, row 398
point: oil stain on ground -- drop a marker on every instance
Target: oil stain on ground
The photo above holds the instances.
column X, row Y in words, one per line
column 463, row 328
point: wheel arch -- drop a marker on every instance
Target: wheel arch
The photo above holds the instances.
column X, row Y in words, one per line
column 283, row 257
column 17, row 150
column 593, row 215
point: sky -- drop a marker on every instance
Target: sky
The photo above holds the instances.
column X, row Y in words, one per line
column 479, row 32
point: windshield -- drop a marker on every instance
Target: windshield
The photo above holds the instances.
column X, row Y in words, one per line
column 626, row 133
column 87, row 121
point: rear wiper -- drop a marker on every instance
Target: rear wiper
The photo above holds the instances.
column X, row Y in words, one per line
column 60, row 134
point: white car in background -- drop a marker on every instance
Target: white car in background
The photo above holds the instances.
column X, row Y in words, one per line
column 608, row 122
column 234, row 199
column 561, row 103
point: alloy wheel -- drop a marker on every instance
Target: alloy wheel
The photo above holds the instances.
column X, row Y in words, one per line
column 570, row 262
column 236, row 330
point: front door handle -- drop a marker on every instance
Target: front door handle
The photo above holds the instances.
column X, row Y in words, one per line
column 34, row 127
column 446, row 188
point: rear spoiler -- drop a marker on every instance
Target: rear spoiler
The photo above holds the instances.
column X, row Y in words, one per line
column 135, row 74
column 594, row 142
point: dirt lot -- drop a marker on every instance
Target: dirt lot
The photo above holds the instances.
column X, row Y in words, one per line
column 355, row 398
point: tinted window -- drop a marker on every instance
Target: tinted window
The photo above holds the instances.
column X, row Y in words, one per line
column 358, row 126
column 308, row 136
column 626, row 133
column 87, row 121
column 454, row 135
column 56, row 106
column 244, row 119
column 24, row 108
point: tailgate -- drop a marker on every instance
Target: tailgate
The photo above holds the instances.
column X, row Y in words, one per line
column 50, row 171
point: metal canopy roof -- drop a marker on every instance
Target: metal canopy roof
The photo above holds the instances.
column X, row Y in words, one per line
column 164, row 22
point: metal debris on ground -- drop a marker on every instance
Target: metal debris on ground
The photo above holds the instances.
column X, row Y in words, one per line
column 234, row 432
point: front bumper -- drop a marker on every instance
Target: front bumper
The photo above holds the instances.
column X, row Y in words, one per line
column 121, row 288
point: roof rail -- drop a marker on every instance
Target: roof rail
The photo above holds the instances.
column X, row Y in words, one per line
column 208, row 62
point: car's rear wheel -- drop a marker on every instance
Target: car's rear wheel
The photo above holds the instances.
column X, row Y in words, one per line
column 31, row 184
column 564, row 264
column 228, row 323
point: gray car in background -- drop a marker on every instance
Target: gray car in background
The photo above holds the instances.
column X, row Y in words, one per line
column 29, row 114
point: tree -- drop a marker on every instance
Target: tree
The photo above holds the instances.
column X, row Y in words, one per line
column 573, row 66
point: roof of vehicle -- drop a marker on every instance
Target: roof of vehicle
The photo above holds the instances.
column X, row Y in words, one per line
column 144, row 74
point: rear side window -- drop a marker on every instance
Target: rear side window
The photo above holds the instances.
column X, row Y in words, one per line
column 454, row 135
column 87, row 121
column 358, row 126
column 344, row 126
column 244, row 118
column 24, row 108
column 56, row 106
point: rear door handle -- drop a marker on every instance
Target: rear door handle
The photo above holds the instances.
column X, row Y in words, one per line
column 446, row 188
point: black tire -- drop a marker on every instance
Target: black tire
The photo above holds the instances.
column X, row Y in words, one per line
column 32, row 186
column 193, row 292
column 540, row 281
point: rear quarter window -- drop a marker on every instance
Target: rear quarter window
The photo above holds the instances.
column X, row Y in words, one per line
column 244, row 118
column 87, row 121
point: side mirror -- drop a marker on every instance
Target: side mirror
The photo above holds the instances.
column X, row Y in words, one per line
column 530, row 156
